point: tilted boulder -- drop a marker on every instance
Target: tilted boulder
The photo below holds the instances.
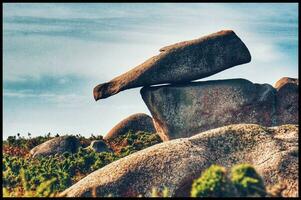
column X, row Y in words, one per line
column 57, row 145
column 136, row 122
column 175, row 164
column 182, row 62
column 287, row 101
column 186, row 109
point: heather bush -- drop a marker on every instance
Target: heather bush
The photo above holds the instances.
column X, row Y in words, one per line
column 247, row 181
column 216, row 181
column 212, row 183
column 44, row 176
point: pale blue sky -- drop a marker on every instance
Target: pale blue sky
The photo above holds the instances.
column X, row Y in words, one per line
column 54, row 55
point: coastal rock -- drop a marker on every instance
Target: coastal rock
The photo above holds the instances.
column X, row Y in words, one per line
column 136, row 122
column 99, row 146
column 186, row 109
column 287, row 101
column 182, row 62
column 175, row 164
column 57, row 145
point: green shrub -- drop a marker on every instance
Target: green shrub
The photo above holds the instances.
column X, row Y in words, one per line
column 247, row 181
column 212, row 183
column 243, row 181
column 43, row 176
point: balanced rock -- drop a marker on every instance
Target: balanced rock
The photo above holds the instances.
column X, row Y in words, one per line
column 287, row 101
column 99, row 146
column 136, row 122
column 175, row 164
column 186, row 109
column 57, row 145
column 182, row 62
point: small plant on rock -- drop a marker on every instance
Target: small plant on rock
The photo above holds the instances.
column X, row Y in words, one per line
column 212, row 183
column 247, row 181
column 216, row 181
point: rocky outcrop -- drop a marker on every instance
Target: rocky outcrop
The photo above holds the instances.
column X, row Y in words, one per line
column 183, row 110
column 287, row 101
column 174, row 164
column 57, row 145
column 186, row 109
column 182, row 62
column 136, row 122
column 99, row 146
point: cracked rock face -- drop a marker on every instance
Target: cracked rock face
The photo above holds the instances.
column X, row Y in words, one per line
column 175, row 164
column 182, row 62
column 186, row 109
column 136, row 122
column 56, row 145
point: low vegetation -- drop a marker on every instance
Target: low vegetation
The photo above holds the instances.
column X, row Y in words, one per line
column 242, row 181
column 46, row 176
column 24, row 176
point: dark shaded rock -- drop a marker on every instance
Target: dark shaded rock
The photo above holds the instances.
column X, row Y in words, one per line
column 186, row 109
column 99, row 146
column 287, row 101
column 57, row 145
column 182, row 62
column 136, row 122
column 175, row 164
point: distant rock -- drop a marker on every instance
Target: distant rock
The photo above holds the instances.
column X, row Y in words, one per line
column 99, row 146
column 182, row 62
column 175, row 164
column 136, row 122
column 57, row 145
column 286, row 80
column 287, row 101
column 186, row 109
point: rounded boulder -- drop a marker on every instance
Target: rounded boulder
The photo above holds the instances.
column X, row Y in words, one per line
column 57, row 145
column 136, row 122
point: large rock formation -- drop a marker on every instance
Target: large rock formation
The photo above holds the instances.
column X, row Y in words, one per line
column 186, row 109
column 136, row 122
column 174, row 164
column 182, row 62
column 57, row 145
column 287, row 101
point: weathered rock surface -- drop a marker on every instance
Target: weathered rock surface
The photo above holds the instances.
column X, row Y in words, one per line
column 136, row 122
column 186, row 109
column 287, row 101
column 174, row 164
column 56, row 145
column 99, row 146
column 182, row 62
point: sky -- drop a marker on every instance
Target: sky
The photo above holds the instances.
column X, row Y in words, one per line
column 55, row 54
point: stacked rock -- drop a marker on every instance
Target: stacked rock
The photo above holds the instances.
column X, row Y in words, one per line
column 189, row 109
column 184, row 108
